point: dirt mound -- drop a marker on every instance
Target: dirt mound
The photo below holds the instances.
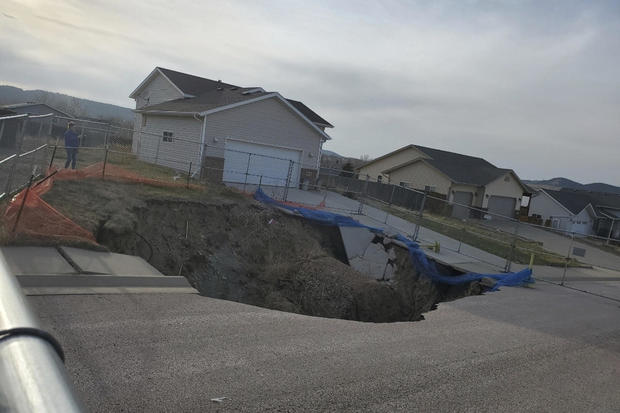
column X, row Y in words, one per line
column 230, row 247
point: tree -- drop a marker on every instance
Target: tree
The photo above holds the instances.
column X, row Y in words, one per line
column 347, row 169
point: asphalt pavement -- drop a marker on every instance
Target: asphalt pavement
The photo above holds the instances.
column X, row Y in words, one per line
column 545, row 348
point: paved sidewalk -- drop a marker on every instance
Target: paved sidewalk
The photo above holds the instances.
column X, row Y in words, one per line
column 49, row 270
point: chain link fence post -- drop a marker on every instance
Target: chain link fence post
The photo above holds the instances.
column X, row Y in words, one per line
column 416, row 233
column 52, row 157
column 21, row 207
column 288, row 179
column 247, row 171
column 189, row 173
column 513, row 245
column 570, row 248
column 105, row 163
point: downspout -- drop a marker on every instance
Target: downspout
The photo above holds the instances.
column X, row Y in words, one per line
column 202, row 138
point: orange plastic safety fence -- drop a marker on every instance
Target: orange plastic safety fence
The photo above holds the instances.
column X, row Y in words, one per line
column 40, row 220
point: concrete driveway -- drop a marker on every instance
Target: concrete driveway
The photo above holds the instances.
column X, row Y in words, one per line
column 544, row 348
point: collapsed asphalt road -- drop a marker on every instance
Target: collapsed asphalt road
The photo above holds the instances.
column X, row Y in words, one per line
column 543, row 348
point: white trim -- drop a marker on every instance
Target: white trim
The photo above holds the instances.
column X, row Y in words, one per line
column 288, row 148
column 148, row 79
column 166, row 112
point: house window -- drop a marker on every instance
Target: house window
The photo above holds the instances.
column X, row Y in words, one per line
column 168, row 136
column 379, row 178
column 143, row 120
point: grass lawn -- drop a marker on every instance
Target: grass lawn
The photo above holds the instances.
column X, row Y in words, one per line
column 492, row 241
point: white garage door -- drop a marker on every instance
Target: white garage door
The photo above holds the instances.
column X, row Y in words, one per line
column 503, row 206
column 266, row 164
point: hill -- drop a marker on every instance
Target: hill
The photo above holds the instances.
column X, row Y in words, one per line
column 76, row 106
column 570, row 184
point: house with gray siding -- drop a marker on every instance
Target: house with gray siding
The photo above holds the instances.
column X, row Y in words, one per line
column 228, row 133
column 578, row 212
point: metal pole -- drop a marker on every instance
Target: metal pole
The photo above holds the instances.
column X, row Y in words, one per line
column 105, row 162
column 53, row 155
column 2, row 129
column 392, row 194
column 420, row 214
column 32, row 376
column 288, row 179
column 513, row 246
column 189, row 173
column 572, row 239
column 260, row 182
column 21, row 207
column 247, row 170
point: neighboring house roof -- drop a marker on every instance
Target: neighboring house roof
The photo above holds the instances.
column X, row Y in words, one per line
column 463, row 169
column 201, row 94
column 21, row 107
column 387, row 155
column 575, row 200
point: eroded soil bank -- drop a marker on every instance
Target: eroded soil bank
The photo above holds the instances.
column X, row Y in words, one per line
column 231, row 247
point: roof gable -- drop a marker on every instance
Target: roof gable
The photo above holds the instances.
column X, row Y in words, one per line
column 463, row 169
column 203, row 95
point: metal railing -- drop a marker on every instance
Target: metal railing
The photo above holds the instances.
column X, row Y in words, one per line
column 32, row 375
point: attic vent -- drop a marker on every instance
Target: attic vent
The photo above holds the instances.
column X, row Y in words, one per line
column 251, row 91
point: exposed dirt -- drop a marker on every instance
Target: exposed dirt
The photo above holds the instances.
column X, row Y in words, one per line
column 231, row 247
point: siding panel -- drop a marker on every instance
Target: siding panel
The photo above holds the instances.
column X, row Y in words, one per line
column 267, row 121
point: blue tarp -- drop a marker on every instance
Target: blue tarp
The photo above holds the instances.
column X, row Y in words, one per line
column 418, row 257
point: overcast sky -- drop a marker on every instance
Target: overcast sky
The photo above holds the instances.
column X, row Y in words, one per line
column 532, row 86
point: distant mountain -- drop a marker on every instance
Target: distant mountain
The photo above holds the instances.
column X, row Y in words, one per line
column 75, row 106
column 331, row 153
column 567, row 183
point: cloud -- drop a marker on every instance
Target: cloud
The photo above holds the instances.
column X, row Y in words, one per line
column 528, row 85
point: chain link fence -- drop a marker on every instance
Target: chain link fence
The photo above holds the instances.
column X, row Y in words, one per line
column 465, row 234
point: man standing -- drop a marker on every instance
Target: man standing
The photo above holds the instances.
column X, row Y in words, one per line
column 71, row 145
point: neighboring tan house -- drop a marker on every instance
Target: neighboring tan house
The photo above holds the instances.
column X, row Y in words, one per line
column 181, row 118
column 579, row 212
column 462, row 179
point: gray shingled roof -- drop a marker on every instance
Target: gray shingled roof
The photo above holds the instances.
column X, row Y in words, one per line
column 210, row 94
column 206, row 101
column 192, row 85
column 575, row 201
column 459, row 168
